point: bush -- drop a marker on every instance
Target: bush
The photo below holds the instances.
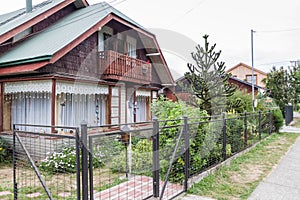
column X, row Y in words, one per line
column 63, row 162
column 235, row 131
column 278, row 119
column 4, row 152
column 239, row 102
column 141, row 157
column 174, row 112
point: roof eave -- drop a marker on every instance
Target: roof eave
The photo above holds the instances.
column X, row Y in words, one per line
column 26, row 61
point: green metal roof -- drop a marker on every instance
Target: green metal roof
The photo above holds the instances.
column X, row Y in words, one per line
column 43, row 45
column 14, row 19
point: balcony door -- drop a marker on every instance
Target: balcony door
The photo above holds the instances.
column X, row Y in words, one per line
column 131, row 46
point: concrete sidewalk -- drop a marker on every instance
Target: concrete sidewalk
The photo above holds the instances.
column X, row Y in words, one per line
column 284, row 181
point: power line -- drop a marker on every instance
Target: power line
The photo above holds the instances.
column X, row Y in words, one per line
column 187, row 12
column 283, row 61
column 279, row 31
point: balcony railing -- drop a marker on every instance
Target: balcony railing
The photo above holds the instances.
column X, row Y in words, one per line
column 116, row 66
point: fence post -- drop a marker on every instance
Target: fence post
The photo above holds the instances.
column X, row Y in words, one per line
column 224, row 139
column 245, row 129
column 155, row 157
column 187, row 153
column 15, row 164
column 84, row 158
column 78, row 163
column 270, row 122
column 91, row 172
column 259, row 124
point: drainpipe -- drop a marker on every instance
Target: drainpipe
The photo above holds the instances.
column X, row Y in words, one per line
column 28, row 6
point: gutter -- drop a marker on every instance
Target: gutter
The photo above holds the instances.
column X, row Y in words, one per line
column 26, row 61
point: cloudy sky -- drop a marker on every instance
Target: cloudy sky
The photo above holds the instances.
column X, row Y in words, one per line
column 180, row 25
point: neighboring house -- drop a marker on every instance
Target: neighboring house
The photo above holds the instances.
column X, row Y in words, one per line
column 244, row 73
column 64, row 61
column 244, row 86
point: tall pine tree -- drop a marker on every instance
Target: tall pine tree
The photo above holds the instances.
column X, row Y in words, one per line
column 208, row 79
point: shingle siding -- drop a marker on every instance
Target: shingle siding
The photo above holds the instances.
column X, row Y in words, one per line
column 82, row 59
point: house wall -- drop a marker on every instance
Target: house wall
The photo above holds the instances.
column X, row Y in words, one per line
column 241, row 72
column 242, row 87
column 123, row 104
column 39, row 26
column 80, row 60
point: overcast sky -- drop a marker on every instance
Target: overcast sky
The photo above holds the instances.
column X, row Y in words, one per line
column 180, row 25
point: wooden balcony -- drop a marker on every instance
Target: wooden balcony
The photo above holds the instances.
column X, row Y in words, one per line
column 120, row 67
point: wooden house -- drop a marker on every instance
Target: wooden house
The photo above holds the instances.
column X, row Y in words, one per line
column 244, row 86
column 65, row 61
column 244, row 72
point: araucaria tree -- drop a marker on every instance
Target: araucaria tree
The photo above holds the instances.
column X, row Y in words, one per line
column 208, row 79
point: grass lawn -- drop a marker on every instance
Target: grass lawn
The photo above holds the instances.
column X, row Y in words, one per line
column 241, row 177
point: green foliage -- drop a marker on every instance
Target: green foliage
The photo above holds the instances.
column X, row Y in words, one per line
column 278, row 119
column 63, row 162
column 284, row 86
column 208, row 79
column 235, row 132
column 239, row 102
column 141, row 157
column 4, row 152
column 294, row 80
column 173, row 112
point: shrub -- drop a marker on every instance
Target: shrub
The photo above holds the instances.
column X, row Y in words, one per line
column 174, row 112
column 63, row 162
column 234, row 131
column 4, row 152
column 278, row 119
column 239, row 102
column 141, row 157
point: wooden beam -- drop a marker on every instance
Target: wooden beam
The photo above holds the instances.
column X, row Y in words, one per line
column 109, row 104
column 1, row 105
column 134, row 105
column 53, row 103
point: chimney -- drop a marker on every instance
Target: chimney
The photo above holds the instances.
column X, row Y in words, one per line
column 28, row 6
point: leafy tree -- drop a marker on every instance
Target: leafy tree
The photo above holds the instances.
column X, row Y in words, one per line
column 208, row 79
column 294, row 80
column 280, row 90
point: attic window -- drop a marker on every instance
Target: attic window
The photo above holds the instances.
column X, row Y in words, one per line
column 22, row 34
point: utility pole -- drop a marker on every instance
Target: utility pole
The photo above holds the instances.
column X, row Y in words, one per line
column 252, row 59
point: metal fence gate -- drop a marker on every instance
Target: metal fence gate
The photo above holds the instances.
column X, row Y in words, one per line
column 38, row 163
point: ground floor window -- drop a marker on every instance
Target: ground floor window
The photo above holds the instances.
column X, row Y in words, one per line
column 141, row 108
column 73, row 109
column 30, row 108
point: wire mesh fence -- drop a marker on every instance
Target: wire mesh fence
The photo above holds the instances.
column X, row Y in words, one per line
column 171, row 159
column 129, row 161
column 45, row 165
column 125, row 156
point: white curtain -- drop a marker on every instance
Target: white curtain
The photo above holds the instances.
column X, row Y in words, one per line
column 73, row 109
column 31, row 108
column 141, row 110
